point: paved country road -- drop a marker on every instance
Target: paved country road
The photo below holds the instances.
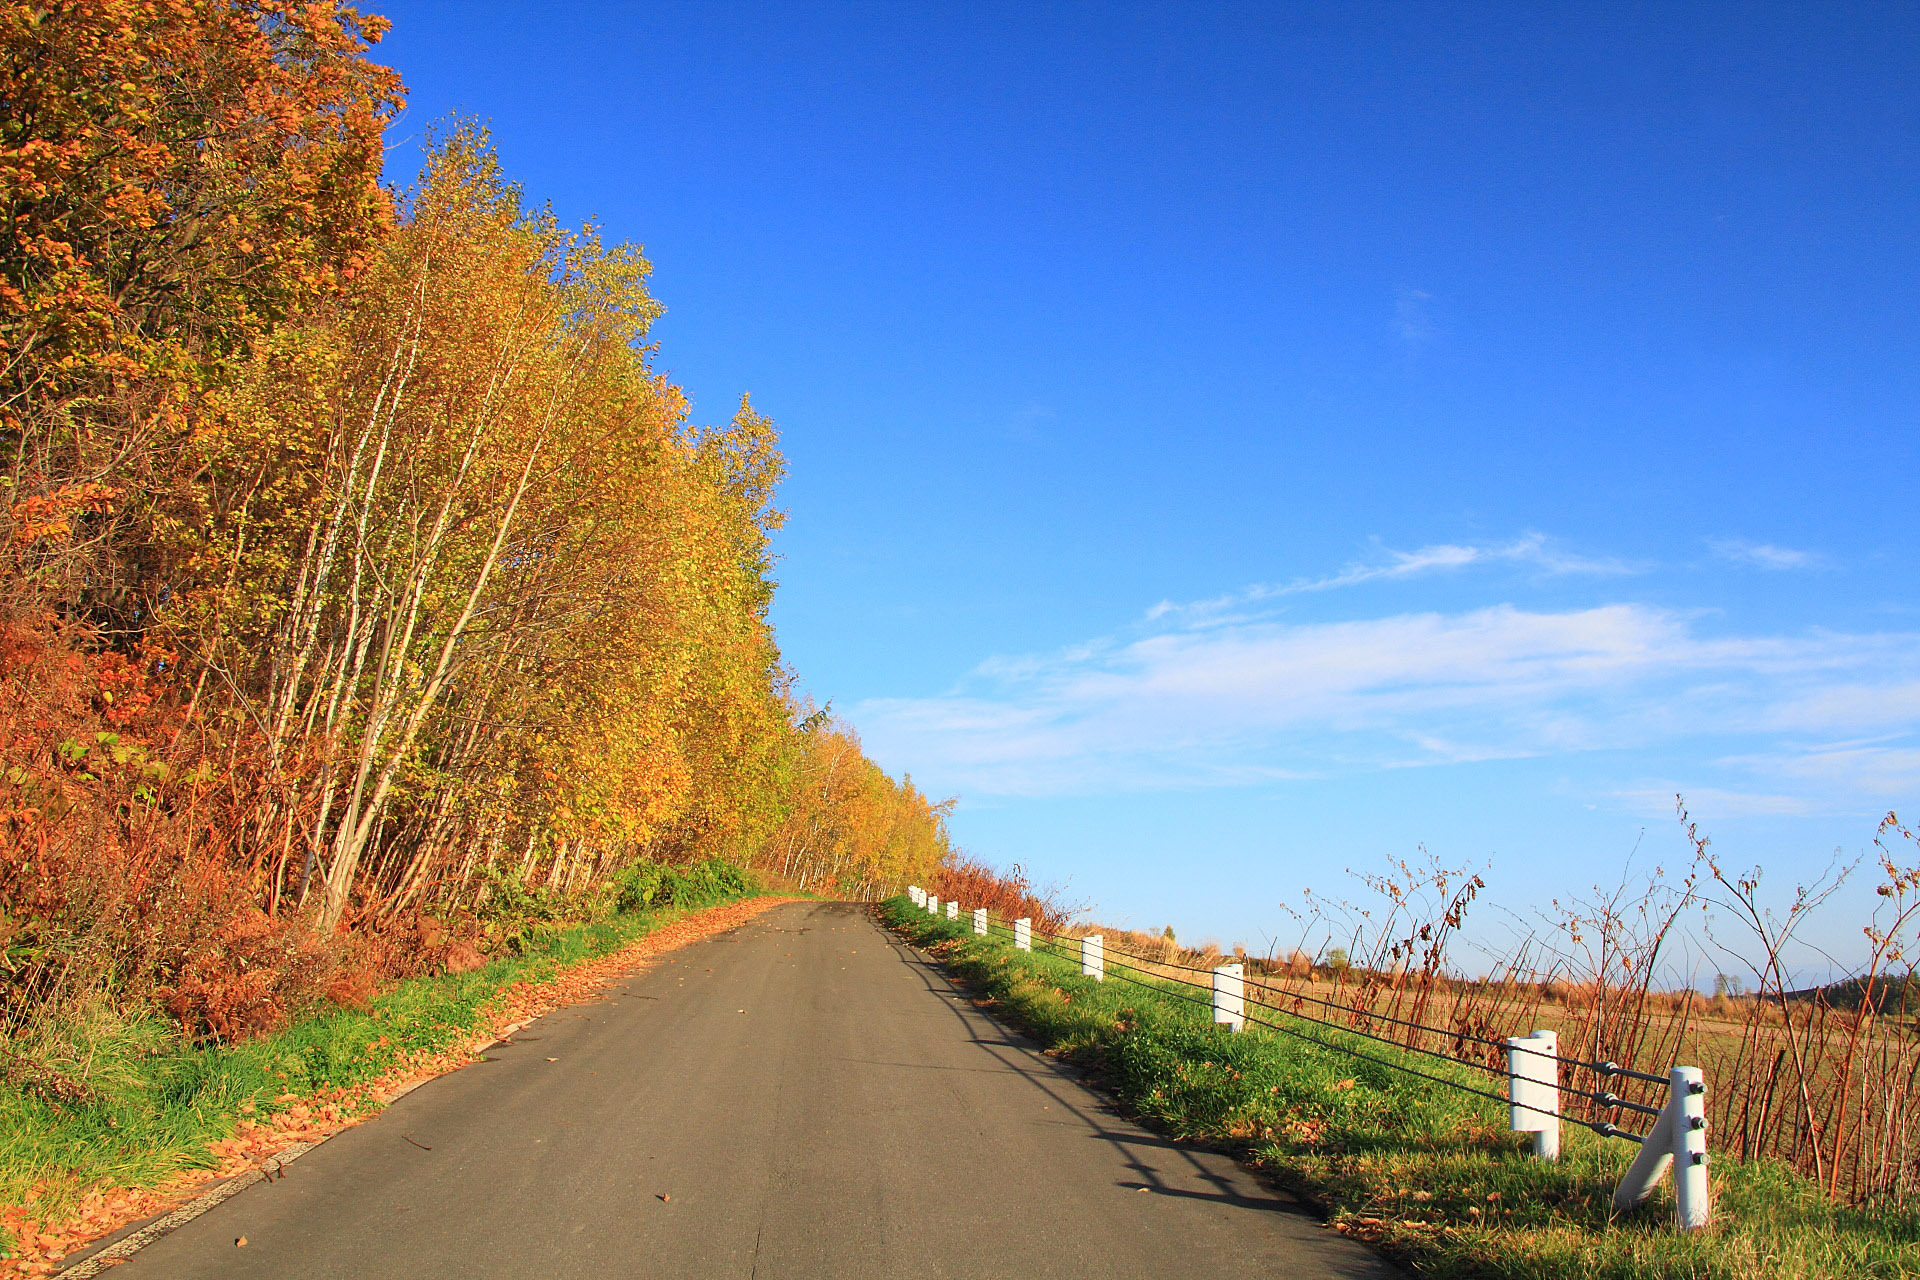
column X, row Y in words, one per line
column 803, row 1098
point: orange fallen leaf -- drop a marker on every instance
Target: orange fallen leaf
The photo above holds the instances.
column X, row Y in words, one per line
column 339, row 1107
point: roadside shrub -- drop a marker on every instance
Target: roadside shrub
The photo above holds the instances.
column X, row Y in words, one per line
column 254, row 974
column 1007, row 895
column 652, row 884
column 514, row 914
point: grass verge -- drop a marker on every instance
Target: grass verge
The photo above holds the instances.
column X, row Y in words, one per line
column 165, row 1111
column 1430, row 1175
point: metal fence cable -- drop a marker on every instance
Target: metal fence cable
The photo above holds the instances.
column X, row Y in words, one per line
column 1112, row 959
column 1605, row 1099
column 1600, row 1127
column 1206, row 1004
column 1594, row 1065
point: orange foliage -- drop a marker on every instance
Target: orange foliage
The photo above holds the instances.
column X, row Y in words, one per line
column 1007, row 895
column 361, row 580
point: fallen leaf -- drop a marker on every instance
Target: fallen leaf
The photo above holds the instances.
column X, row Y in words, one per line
column 524, row 1001
column 241, row 1243
column 664, row 1197
column 553, row 1059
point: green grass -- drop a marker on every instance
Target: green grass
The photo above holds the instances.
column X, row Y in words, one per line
column 159, row 1102
column 1429, row 1174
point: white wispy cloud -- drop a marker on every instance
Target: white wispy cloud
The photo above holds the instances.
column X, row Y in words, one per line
column 1025, row 423
column 1849, row 707
column 1532, row 549
column 1411, row 318
column 1763, row 555
column 1205, row 700
column 1888, row 771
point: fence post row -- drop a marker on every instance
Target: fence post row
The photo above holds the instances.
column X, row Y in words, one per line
column 1678, row 1138
column 1533, row 1089
column 1230, row 996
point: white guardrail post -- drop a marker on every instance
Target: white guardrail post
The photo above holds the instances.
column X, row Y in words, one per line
column 1678, row 1138
column 1023, row 933
column 915, row 892
column 1230, row 996
column 953, row 908
column 979, row 919
column 933, row 905
column 1693, row 1201
column 1533, row 1089
column 1093, row 957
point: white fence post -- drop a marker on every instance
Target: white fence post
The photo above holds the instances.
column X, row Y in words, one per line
column 1230, row 996
column 1023, row 933
column 1680, row 1134
column 979, row 919
column 933, row 905
column 953, row 908
column 1093, row 957
column 1693, row 1205
column 1533, row 1089
column 918, row 895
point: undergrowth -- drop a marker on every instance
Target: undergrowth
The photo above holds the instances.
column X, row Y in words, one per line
column 1430, row 1174
column 155, row 1102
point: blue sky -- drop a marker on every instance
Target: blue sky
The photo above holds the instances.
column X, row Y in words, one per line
column 1234, row 445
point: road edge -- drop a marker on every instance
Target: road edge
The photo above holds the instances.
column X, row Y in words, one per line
column 90, row 1259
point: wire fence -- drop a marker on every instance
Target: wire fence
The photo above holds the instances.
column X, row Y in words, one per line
column 1158, row 982
column 1536, row 1076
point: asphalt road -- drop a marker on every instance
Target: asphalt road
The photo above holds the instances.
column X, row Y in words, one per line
column 804, row 1098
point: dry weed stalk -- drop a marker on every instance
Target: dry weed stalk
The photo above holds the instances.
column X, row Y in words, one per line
column 1822, row 1077
column 1819, row 1077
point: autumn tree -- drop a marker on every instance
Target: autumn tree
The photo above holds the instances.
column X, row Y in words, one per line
column 175, row 178
column 357, row 565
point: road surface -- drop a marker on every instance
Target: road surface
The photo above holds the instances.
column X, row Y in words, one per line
column 803, row 1098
